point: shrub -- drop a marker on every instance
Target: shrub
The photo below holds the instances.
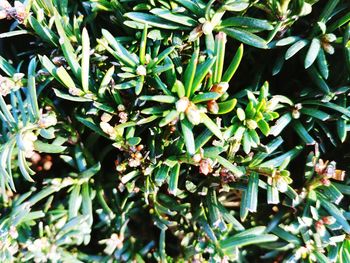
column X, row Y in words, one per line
column 174, row 131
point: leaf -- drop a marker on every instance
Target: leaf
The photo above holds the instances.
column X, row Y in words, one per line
column 252, row 192
column 264, row 127
column 161, row 174
column 226, row 106
column 201, row 73
column 330, row 105
column 287, row 41
column 65, row 78
column 232, row 68
column 67, row 47
column 87, row 203
column 303, row 133
column 248, row 23
column 228, row 165
column 246, row 240
column 315, row 113
column 44, row 32
column 172, row 115
column 159, row 98
column 322, row 64
column 32, row 88
column 205, row 97
column 236, row 6
column 192, row 6
column 190, row 73
column 174, row 179
column 48, row 148
column 312, row 53
column 277, row 161
column 155, row 21
column 295, row 48
column 318, row 80
column 88, row 122
column 7, row 67
column 335, row 212
column 246, row 37
column 211, row 126
column 188, row 136
column 341, row 129
column 75, row 200
column 280, row 124
column 85, row 60
column 14, row 33
column 67, row 96
column 174, row 17
column 121, row 53
column 246, row 142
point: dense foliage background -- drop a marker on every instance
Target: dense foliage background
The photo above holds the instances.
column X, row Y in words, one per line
column 174, row 131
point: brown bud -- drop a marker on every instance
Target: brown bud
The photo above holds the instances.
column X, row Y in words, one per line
column 213, row 106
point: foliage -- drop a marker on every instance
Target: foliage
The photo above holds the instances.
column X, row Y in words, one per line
column 174, row 131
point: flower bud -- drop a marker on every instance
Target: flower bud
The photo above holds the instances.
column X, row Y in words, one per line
column 106, row 117
column 107, row 128
column 220, row 88
column 47, row 120
column 328, row 220
column 328, row 48
column 197, row 158
column 182, row 104
column 193, row 114
column 207, row 28
column 141, row 70
column 329, row 37
column 282, row 185
column 205, row 166
column 296, row 114
column 213, row 106
column 325, row 182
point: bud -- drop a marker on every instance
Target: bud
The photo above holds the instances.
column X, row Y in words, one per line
column 282, row 185
column 207, row 28
column 320, row 228
column 213, row 106
column 329, row 38
column 6, row 85
column 106, row 117
column 197, row 158
column 193, row 114
column 220, row 88
column 121, row 107
column 328, row 220
column 47, row 120
column 328, row 48
column 296, row 114
column 147, row 58
column 27, row 144
column 325, row 182
column 17, row 77
column 205, row 166
column 134, row 162
column 138, row 155
column 107, row 128
column 251, row 124
column 195, row 33
column 20, row 12
column 182, row 104
column 123, row 117
column 141, row 70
